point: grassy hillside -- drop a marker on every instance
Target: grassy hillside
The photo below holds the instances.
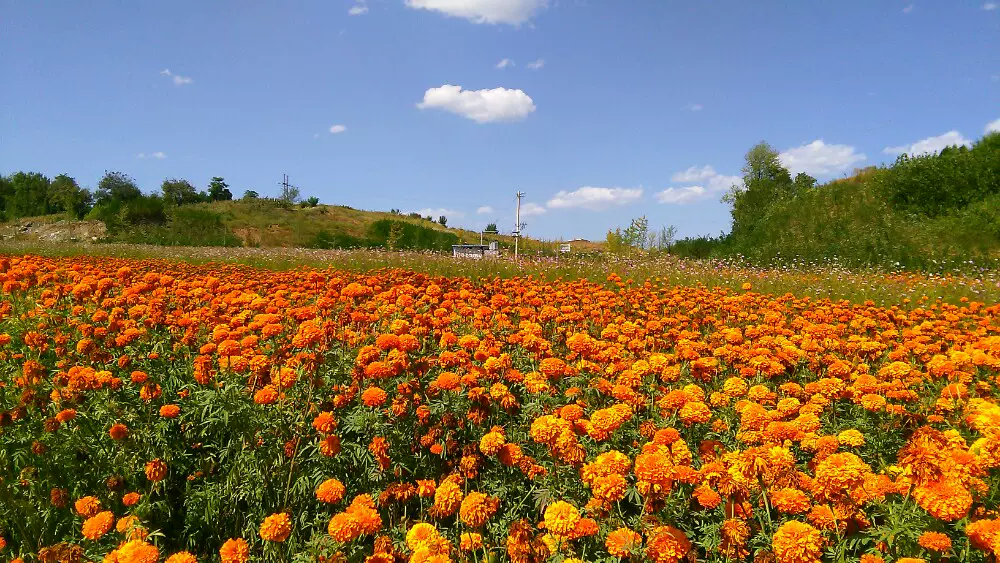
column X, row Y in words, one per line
column 268, row 224
column 926, row 212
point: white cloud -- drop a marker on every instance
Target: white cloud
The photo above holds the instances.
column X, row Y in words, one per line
column 993, row 127
column 596, row 199
column 159, row 155
column 513, row 12
column 537, row 64
column 681, row 195
column 990, row 6
column 707, row 182
column 931, row 145
column 358, row 9
column 178, row 79
column 338, row 128
column 529, row 209
column 484, row 210
column 820, row 159
column 505, row 63
column 908, row 9
column 696, row 107
column 436, row 212
column 481, row 106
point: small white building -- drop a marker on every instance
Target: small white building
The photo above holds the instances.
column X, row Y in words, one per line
column 475, row 251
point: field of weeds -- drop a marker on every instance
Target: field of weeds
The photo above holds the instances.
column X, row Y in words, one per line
column 403, row 407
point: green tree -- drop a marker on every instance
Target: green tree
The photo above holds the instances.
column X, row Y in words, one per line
column 615, row 242
column 802, row 183
column 67, row 196
column 312, row 201
column 443, row 220
column 491, row 228
column 116, row 187
column 218, row 190
column 179, row 192
column 30, row 195
column 250, row 195
column 765, row 181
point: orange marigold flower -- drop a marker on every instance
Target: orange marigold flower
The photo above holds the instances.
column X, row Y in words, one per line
column 477, row 508
column 170, row 411
column 138, row 551
column 623, row 542
column 131, row 499
column 789, row 500
column 470, row 541
column 98, row 525
column 330, row 491
column 182, row 557
column 156, row 470
column 667, row 544
column 491, row 443
column 118, row 432
column 324, row 422
column 374, row 397
column 267, row 395
column 797, row 542
column 87, row 506
column 235, row 550
column 66, row 415
column 934, row 541
column 561, row 518
column 945, row 500
column 276, row 527
column 447, row 497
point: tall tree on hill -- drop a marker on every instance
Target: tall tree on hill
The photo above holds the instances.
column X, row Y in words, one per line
column 117, row 187
column 179, row 192
column 67, row 196
column 765, row 181
column 218, row 190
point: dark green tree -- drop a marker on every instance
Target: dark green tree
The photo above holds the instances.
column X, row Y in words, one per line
column 218, row 190
column 443, row 220
column 30, row 195
column 250, row 194
column 765, row 182
column 116, row 187
column 491, row 228
column 179, row 192
column 66, row 196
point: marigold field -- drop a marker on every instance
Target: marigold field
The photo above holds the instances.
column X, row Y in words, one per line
column 155, row 410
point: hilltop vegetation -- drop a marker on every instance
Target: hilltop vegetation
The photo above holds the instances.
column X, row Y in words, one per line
column 921, row 212
column 181, row 215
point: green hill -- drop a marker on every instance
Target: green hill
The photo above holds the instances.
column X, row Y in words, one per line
column 921, row 212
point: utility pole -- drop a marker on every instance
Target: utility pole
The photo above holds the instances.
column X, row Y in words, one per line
column 288, row 189
column 517, row 223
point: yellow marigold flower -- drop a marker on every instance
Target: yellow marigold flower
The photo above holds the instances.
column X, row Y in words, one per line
column 420, row 535
column 852, row 438
column 797, row 542
column 470, row 541
column 447, row 497
column 561, row 518
column 98, row 525
column 491, row 443
column 945, row 500
column 235, row 550
column 276, row 527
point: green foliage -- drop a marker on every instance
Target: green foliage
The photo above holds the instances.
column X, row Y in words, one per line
column 443, row 220
column 410, row 236
column 491, row 228
column 250, row 195
column 180, row 192
column 116, row 187
column 327, row 240
column 218, row 190
column 312, row 201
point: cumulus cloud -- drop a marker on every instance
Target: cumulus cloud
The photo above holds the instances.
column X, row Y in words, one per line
column 358, row 9
column 593, row 198
column 481, row 106
column 537, row 64
column 990, row 6
column 505, row 63
column 338, row 128
column 177, row 79
column 159, row 155
column 820, row 159
column 993, row 127
column 681, row 195
column 706, row 183
column 931, row 145
column 512, row 12
column 484, row 210
column 436, row 212
column 529, row 209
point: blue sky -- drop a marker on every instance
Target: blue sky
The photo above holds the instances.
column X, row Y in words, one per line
column 605, row 110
